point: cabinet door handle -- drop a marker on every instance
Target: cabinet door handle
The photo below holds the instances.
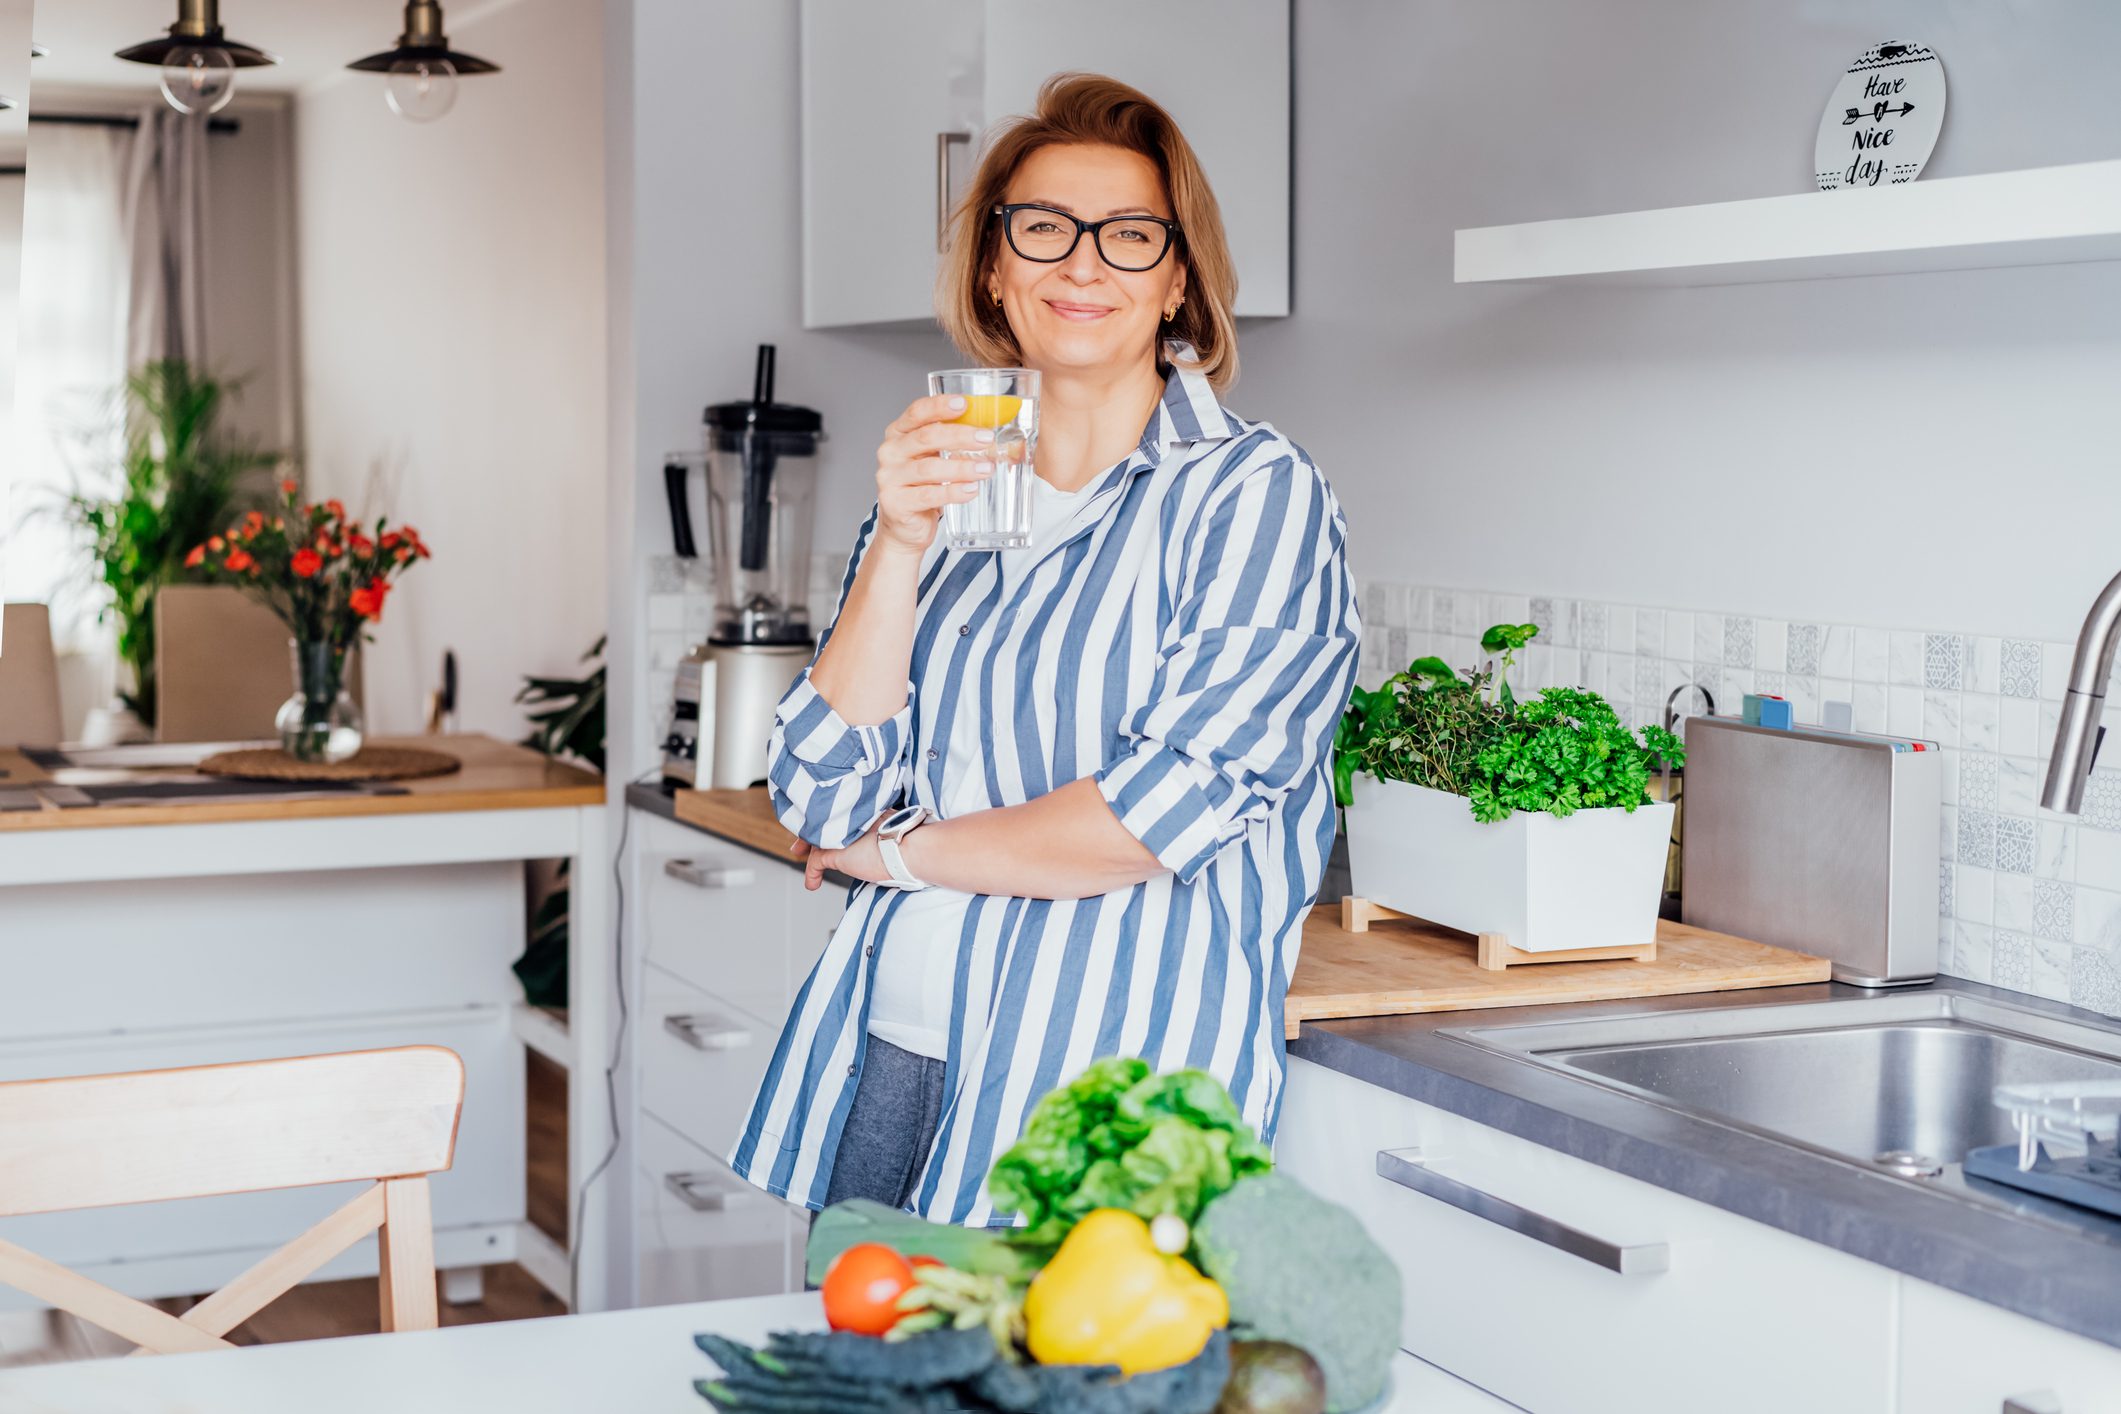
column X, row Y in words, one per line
column 2042, row 1402
column 942, row 184
column 704, row 1031
column 701, row 1192
column 708, row 876
column 1407, row 1168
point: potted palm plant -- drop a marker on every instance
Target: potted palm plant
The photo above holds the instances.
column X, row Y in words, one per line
column 1529, row 819
column 179, row 481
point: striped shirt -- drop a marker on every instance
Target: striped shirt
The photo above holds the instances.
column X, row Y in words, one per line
column 1188, row 641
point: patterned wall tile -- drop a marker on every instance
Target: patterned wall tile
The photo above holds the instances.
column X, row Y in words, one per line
column 1738, row 641
column 1540, row 614
column 1945, row 874
column 2011, row 962
column 1804, row 644
column 1591, row 626
column 2102, row 801
column 1442, row 610
column 2054, row 910
column 1943, row 660
column 1977, row 837
column 2019, row 675
column 1977, row 781
column 2092, row 982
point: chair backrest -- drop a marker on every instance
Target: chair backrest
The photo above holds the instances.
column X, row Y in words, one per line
column 29, row 677
column 146, row 1136
column 222, row 667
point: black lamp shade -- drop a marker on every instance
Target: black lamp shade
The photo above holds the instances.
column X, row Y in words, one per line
column 157, row 51
column 464, row 64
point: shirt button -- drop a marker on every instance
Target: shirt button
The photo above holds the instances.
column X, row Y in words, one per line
column 933, row 754
column 869, row 951
column 850, row 1070
column 963, row 629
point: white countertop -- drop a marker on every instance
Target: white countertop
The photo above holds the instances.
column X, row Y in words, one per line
column 641, row 1361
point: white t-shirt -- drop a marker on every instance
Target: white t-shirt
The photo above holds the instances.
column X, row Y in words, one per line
column 916, row 965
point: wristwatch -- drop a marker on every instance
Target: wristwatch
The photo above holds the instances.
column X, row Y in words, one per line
column 896, row 826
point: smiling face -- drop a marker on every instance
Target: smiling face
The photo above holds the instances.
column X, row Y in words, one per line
column 1079, row 314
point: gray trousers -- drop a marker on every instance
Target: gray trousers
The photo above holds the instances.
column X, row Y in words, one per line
column 898, row 1104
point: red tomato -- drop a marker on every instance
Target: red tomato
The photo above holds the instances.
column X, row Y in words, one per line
column 862, row 1288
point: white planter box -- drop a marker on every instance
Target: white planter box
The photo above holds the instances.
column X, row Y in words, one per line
column 1544, row 883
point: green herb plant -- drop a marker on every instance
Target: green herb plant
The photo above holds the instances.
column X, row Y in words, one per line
column 1563, row 751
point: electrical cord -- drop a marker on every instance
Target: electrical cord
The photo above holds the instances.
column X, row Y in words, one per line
column 618, row 1049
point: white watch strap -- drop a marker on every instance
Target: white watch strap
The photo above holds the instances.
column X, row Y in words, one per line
column 895, row 862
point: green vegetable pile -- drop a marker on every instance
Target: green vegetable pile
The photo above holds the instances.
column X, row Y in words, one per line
column 1120, row 1137
column 840, row 1373
column 1563, row 751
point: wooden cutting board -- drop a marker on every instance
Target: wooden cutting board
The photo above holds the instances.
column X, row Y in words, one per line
column 1400, row 968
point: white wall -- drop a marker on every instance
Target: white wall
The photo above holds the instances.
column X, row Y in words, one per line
column 711, row 267
column 1918, row 450
column 453, row 314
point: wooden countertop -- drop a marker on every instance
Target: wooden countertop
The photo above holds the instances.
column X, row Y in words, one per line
column 496, row 776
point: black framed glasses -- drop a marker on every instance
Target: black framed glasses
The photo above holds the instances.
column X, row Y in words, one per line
column 1048, row 236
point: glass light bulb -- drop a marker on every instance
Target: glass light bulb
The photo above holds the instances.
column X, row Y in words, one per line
column 198, row 78
column 422, row 90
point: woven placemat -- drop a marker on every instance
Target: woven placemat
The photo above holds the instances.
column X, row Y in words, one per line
column 370, row 763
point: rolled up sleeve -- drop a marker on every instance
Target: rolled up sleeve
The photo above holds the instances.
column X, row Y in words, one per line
column 830, row 780
column 1254, row 672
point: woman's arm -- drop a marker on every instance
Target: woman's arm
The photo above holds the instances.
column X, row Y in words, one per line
column 1065, row 844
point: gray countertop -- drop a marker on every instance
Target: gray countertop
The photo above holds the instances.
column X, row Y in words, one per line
column 2056, row 1264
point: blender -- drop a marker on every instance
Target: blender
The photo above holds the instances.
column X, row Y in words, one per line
column 760, row 461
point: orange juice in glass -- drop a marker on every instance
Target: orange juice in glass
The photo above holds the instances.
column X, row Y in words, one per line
column 1004, row 400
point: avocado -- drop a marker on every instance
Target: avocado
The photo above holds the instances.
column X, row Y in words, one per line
column 1272, row 1377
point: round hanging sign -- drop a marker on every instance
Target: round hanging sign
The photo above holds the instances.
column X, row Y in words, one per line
column 1881, row 123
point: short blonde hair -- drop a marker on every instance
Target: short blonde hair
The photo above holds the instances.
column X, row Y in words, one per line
column 1091, row 109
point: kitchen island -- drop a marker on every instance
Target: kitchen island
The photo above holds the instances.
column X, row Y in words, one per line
column 189, row 931
column 642, row 1362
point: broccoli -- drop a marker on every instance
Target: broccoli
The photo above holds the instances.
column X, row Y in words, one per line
column 1258, row 1236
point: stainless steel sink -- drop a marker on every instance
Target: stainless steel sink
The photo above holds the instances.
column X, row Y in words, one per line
column 1900, row 1082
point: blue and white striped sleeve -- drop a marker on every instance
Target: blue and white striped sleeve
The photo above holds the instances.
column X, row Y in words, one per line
column 1255, row 669
column 831, row 781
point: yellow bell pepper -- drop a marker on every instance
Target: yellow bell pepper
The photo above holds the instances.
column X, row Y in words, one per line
column 1109, row 1297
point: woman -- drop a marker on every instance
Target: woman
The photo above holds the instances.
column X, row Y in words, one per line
column 1099, row 765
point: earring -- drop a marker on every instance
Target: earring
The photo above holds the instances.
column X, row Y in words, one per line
column 997, row 294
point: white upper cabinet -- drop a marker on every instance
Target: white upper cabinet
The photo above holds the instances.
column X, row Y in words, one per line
column 896, row 98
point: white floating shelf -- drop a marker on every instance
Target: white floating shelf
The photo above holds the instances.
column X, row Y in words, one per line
column 544, row 1030
column 2041, row 216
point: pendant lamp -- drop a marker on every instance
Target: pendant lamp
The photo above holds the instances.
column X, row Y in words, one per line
column 423, row 70
column 198, row 61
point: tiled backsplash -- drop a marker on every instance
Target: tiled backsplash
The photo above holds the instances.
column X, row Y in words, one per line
column 2031, row 899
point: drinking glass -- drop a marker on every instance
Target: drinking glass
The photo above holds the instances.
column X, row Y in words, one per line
column 1006, row 401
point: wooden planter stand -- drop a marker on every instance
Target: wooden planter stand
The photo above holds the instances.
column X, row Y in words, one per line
column 1493, row 950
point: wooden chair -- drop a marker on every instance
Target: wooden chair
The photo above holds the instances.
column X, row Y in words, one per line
column 29, row 677
column 94, row 1141
column 222, row 666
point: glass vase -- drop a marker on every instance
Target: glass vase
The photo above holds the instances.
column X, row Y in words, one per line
column 320, row 722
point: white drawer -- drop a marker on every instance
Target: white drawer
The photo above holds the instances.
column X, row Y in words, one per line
column 704, row 1233
column 1960, row 1356
column 1745, row 1318
column 701, row 1060
column 717, row 916
column 485, row 1185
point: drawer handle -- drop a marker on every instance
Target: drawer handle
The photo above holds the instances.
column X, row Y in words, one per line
column 943, row 143
column 704, row 1031
column 708, row 876
column 1406, row 1168
column 2044, row 1402
column 701, row 1192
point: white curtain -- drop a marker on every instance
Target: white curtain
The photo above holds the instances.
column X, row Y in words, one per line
column 165, row 220
column 71, row 356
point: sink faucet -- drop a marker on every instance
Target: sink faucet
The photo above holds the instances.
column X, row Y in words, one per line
column 2077, row 734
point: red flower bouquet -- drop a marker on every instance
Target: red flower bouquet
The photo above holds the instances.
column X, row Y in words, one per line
column 326, row 577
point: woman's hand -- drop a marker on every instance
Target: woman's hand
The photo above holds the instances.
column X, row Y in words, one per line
column 860, row 860
column 914, row 483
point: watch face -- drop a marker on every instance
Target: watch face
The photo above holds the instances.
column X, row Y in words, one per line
column 899, row 819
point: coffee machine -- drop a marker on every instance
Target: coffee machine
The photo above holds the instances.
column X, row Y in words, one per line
column 760, row 465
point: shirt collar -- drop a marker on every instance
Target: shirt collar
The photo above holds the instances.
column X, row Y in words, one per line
column 1188, row 411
